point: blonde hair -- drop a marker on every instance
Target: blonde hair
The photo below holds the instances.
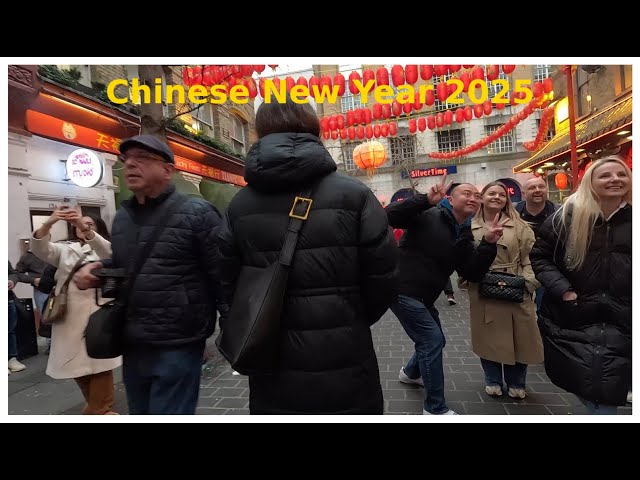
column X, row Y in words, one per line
column 508, row 209
column 580, row 212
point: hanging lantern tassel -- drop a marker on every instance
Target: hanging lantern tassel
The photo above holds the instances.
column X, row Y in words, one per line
column 369, row 156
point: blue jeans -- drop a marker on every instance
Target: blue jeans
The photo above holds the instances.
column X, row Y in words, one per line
column 163, row 381
column 40, row 299
column 514, row 375
column 422, row 324
column 13, row 323
column 599, row 409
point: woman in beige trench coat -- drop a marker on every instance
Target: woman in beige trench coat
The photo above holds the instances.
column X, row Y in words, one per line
column 68, row 357
column 505, row 334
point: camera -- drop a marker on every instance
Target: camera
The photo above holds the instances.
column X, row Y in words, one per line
column 113, row 279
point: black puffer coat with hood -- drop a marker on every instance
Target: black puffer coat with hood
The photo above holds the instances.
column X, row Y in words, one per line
column 341, row 279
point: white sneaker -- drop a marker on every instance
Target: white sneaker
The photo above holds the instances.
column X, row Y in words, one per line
column 411, row 381
column 517, row 393
column 629, row 397
column 448, row 412
column 15, row 365
column 451, row 300
column 493, row 390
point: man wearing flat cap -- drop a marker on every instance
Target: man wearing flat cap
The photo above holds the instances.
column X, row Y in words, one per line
column 172, row 302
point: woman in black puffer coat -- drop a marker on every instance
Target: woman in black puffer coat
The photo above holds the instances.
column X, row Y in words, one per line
column 583, row 259
column 341, row 280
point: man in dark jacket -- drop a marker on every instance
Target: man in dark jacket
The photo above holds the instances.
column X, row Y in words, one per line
column 436, row 242
column 33, row 268
column 172, row 303
column 535, row 209
column 341, row 279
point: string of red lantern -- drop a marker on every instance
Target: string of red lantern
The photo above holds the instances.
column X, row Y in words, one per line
column 545, row 122
column 501, row 131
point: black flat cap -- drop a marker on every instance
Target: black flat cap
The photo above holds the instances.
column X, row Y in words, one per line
column 149, row 143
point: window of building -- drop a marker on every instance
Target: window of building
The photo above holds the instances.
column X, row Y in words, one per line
column 402, row 148
column 350, row 101
column 439, row 106
column 625, row 76
column 542, row 72
column 550, row 133
column 502, row 145
column 493, row 89
column 203, row 119
column 450, row 140
column 237, row 135
column 347, row 154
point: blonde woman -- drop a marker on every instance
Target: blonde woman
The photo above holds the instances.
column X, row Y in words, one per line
column 504, row 334
column 68, row 357
column 583, row 259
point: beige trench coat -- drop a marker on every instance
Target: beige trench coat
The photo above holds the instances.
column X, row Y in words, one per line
column 68, row 357
column 507, row 332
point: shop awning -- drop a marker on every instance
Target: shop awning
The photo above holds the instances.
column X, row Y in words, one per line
column 612, row 118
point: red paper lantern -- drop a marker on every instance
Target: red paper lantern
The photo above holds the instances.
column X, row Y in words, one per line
column 386, row 111
column 396, row 108
column 547, row 85
column 338, row 79
column 393, row 128
column 426, row 72
column 487, row 107
column 430, row 97
column 454, row 68
column 376, row 131
column 413, row 127
column 468, row 113
column 440, row 120
column 259, row 68
column 443, row 91
column 561, row 181
column 422, row 124
column 290, row 83
column 411, row 72
column 366, row 115
column 384, row 129
column 448, row 117
column 460, row 115
column 407, row 107
column 353, row 76
column 478, row 110
column 493, row 71
column 382, row 76
column 441, row 70
column 368, row 75
column 507, row 69
column 368, row 131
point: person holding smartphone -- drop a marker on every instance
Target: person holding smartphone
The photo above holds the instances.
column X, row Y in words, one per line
column 68, row 356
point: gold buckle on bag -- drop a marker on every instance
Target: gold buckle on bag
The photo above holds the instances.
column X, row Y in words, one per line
column 295, row 203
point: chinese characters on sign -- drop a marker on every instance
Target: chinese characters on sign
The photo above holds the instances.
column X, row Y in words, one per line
column 56, row 128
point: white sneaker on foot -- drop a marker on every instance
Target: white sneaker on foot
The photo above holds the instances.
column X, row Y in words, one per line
column 411, row 381
column 448, row 412
column 517, row 393
column 493, row 390
column 15, row 365
column 451, row 300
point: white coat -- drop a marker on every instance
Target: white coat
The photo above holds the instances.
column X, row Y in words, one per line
column 68, row 357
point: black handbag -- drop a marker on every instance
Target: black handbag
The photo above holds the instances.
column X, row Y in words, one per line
column 104, row 335
column 503, row 286
column 250, row 335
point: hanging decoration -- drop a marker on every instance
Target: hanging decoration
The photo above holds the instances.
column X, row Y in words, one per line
column 369, row 156
column 561, row 180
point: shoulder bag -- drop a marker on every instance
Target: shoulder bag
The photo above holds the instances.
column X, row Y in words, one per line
column 104, row 335
column 250, row 335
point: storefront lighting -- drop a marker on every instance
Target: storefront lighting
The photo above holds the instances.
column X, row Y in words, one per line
column 549, row 164
column 540, row 170
column 623, row 132
column 580, row 150
column 629, row 137
column 588, row 98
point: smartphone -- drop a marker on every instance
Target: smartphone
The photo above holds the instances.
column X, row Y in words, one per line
column 70, row 204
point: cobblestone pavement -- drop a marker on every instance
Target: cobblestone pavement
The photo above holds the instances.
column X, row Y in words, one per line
column 225, row 393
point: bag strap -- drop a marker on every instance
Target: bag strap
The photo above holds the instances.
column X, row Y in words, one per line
column 175, row 202
column 65, row 285
column 299, row 213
